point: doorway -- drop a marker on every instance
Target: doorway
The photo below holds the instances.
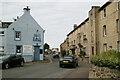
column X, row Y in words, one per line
column 36, row 53
column 93, row 51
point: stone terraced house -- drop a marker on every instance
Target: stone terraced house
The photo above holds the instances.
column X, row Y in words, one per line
column 99, row 32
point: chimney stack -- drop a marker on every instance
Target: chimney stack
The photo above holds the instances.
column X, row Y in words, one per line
column 75, row 26
column 26, row 10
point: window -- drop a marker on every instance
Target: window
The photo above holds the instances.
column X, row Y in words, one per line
column 80, row 40
column 18, row 49
column 71, row 42
column 104, row 30
column 119, row 46
column 17, row 35
column 118, row 25
column 104, row 12
column 118, row 5
column 67, row 44
column 1, row 33
column 91, row 36
column 37, row 37
column 91, row 19
column 105, row 47
column 1, row 49
column 74, row 42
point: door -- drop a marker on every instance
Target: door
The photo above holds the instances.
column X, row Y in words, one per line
column 92, row 50
column 41, row 54
column 36, row 53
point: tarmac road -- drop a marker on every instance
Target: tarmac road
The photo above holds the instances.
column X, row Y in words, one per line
column 47, row 70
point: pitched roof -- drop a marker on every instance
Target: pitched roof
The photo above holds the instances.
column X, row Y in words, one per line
column 105, row 5
column 6, row 24
column 78, row 26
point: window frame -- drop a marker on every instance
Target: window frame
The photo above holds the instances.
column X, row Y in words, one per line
column 104, row 30
column 21, row 49
column 118, row 25
column 118, row 46
column 105, row 45
column 92, row 36
column 18, row 39
column 104, row 12
column 2, row 33
column 2, row 48
column 117, row 4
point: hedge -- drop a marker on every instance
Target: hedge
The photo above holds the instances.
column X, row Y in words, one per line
column 109, row 59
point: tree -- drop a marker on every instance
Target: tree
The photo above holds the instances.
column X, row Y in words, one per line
column 82, row 54
column 46, row 46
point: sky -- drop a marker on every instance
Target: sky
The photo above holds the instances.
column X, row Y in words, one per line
column 56, row 17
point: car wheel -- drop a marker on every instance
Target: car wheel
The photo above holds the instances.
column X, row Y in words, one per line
column 22, row 64
column 6, row 66
column 60, row 65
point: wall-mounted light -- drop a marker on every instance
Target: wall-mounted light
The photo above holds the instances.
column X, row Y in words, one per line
column 13, row 28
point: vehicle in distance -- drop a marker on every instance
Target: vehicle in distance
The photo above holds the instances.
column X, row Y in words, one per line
column 8, row 61
column 55, row 55
column 68, row 61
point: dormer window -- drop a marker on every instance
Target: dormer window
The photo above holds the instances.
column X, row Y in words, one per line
column 104, row 12
column 17, row 35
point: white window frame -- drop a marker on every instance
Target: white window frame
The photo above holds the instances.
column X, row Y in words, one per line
column 105, row 47
column 1, row 49
column 17, row 35
column 117, row 4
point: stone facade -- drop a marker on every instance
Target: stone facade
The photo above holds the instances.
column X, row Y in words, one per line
column 103, row 72
column 63, row 46
column 99, row 32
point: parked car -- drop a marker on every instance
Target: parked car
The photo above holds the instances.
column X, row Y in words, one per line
column 68, row 61
column 55, row 55
column 8, row 61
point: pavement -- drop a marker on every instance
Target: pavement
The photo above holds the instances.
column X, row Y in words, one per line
column 46, row 60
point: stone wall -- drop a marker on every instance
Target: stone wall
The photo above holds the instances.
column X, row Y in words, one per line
column 103, row 72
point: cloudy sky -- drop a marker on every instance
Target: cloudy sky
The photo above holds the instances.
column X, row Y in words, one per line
column 56, row 17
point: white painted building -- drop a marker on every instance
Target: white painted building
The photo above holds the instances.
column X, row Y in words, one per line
column 24, row 37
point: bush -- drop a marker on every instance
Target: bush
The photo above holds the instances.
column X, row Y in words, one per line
column 82, row 54
column 109, row 59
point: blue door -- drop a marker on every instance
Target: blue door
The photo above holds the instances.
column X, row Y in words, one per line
column 36, row 53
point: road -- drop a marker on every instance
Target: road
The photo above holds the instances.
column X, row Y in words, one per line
column 44, row 70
